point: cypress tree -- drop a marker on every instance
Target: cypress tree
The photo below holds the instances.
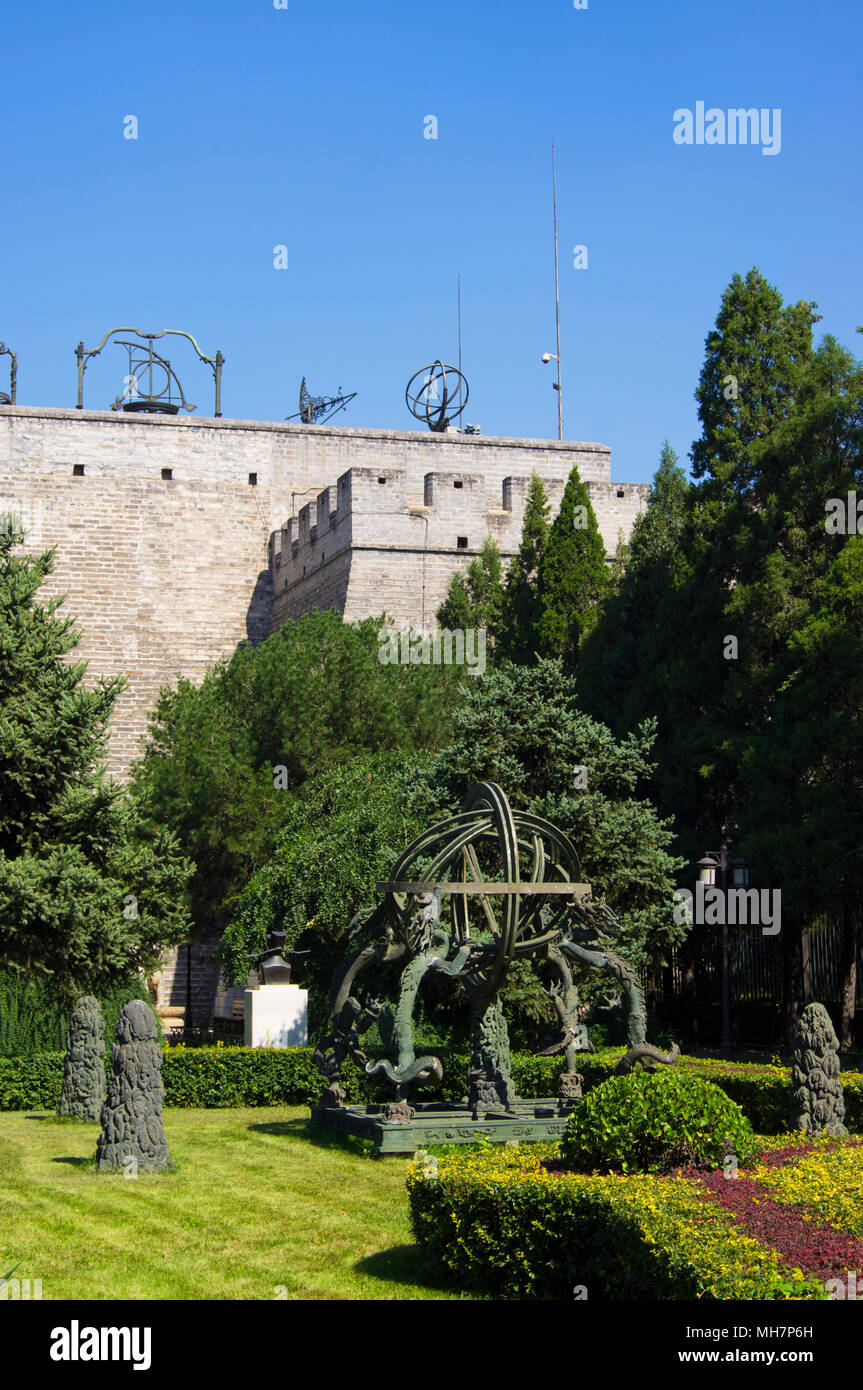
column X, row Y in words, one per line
column 573, row 575
column 474, row 597
column 520, row 610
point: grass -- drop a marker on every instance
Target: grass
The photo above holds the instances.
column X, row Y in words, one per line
column 254, row 1210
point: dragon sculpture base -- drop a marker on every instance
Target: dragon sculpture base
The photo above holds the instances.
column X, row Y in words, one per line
column 511, row 884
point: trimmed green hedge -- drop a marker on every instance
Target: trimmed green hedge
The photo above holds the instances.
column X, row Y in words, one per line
column 496, row 1222
column 220, row 1077
column 647, row 1123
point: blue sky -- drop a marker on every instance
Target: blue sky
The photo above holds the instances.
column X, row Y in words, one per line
column 304, row 127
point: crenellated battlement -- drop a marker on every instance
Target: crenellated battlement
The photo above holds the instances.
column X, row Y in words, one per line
column 177, row 537
column 330, row 554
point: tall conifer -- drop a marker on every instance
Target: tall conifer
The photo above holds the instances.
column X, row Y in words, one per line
column 573, row 575
column 520, row 608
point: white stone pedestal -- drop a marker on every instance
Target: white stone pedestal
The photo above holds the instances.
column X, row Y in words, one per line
column 277, row 1016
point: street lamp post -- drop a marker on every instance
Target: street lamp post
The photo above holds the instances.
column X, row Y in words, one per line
column 714, row 870
column 187, row 1022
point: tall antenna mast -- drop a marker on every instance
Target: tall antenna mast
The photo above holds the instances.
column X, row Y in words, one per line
column 557, row 300
column 459, row 322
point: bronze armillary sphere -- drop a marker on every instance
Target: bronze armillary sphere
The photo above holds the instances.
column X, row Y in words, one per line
column 162, row 401
column 494, row 919
column 511, row 886
column 437, row 395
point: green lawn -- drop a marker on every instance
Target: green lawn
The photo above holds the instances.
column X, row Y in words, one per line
column 255, row 1210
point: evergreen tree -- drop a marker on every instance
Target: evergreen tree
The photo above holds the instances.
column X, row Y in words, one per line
column 520, row 606
column 749, row 381
column 456, row 611
column 573, row 575
column 691, row 655
column 474, row 598
column 739, row 750
column 88, row 895
column 657, row 531
column 618, row 564
column 522, row 727
column 225, row 759
column 628, row 640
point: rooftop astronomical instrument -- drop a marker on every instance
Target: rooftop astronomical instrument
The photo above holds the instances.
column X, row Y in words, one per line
column 13, row 375
column 151, row 386
column 315, row 410
column 437, row 395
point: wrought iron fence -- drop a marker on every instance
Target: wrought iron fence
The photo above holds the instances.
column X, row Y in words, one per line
column 687, row 993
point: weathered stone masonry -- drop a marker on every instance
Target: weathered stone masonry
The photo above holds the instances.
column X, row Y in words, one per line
column 178, row 537
column 386, row 540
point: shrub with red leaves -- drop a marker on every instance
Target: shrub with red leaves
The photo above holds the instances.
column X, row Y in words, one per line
column 817, row 1250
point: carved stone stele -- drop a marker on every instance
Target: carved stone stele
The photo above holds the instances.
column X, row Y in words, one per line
column 84, row 1064
column 133, row 1137
column 817, row 1100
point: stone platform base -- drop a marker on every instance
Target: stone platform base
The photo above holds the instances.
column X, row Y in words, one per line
column 444, row 1124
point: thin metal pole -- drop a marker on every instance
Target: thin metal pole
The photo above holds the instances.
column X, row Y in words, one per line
column 727, row 1035
column 188, row 1018
column 459, row 325
column 557, row 299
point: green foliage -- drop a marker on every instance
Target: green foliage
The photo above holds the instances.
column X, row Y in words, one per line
column 573, row 575
column 75, row 850
column 520, row 606
column 522, row 727
column 341, row 835
column 811, row 762
column 310, row 698
column 474, row 598
column 34, row 1015
column 623, row 643
column 211, row 1077
column 753, row 362
column 745, row 553
column 648, row 1123
column 497, row 1221
column 218, row 1077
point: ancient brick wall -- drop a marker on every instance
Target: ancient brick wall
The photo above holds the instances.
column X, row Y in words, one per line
column 162, row 527
column 388, row 541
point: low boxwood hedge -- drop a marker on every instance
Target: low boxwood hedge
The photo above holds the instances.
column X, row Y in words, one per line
column 227, row 1076
column 496, row 1222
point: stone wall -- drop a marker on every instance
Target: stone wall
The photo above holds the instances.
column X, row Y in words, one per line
column 383, row 540
column 162, row 527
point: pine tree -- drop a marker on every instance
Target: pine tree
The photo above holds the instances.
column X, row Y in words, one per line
column 750, row 378
column 86, row 894
column 474, row 598
column 573, row 575
column 520, row 610
column 658, row 529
